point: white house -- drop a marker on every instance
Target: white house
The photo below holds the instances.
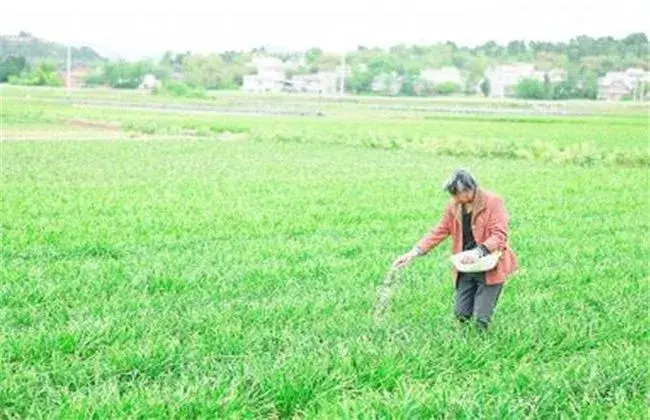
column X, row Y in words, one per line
column 617, row 84
column 149, row 82
column 321, row 83
column 295, row 62
column 387, row 84
column 269, row 67
column 504, row 78
column 255, row 83
column 270, row 76
column 556, row 75
column 442, row 75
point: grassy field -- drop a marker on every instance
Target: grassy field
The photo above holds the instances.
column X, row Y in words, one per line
column 221, row 266
column 331, row 104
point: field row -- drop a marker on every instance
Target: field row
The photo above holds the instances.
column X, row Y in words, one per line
column 333, row 103
column 586, row 140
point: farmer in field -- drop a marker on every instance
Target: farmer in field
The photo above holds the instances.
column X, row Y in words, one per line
column 477, row 221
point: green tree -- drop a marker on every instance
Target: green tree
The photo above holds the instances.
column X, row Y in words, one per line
column 44, row 74
column 327, row 62
column 462, row 59
column 410, row 79
column 529, row 88
column 12, row 66
column 206, row 71
column 215, row 71
column 382, row 64
column 563, row 90
column 167, row 60
column 474, row 73
column 359, row 81
column 517, row 49
column 589, row 86
column 313, row 54
column 126, row 75
column 96, row 79
column 447, row 88
column 485, row 87
column 492, row 49
column 548, row 88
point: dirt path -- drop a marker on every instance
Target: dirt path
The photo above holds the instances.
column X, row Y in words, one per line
column 308, row 109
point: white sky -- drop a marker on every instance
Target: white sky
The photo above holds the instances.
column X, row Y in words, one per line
column 134, row 28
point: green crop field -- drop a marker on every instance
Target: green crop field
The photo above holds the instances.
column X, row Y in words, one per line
column 171, row 265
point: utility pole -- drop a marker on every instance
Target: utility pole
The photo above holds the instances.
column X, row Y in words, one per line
column 69, row 69
column 342, row 81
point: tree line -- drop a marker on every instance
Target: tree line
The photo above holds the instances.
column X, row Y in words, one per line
column 584, row 59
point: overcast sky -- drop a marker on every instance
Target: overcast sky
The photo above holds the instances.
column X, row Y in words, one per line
column 135, row 28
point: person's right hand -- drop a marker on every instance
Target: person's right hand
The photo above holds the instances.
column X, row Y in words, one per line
column 404, row 260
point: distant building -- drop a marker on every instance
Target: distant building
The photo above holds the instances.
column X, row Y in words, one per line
column 321, row 83
column 429, row 78
column 616, row 85
column 149, row 82
column 78, row 75
column 270, row 76
column 556, row 75
column 503, row 79
column 346, row 70
column 442, row 75
column 387, row 84
column 269, row 67
column 255, row 83
column 295, row 62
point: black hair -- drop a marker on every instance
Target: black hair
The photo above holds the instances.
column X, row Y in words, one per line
column 461, row 180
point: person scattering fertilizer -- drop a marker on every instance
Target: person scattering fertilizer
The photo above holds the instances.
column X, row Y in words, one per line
column 477, row 221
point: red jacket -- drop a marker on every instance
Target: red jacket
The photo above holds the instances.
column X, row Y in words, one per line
column 490, row 228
